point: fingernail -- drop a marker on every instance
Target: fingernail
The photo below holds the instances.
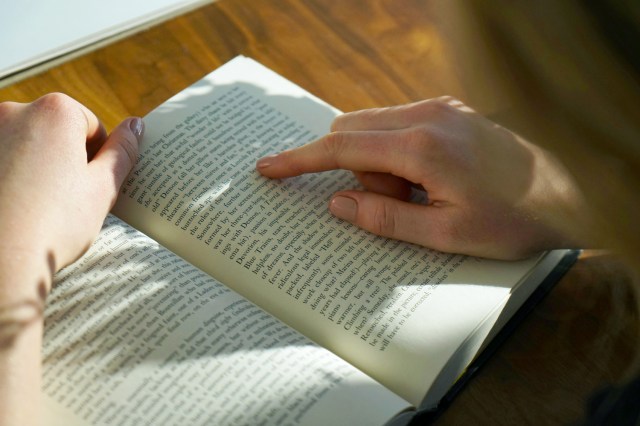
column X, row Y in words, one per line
column 137, row 127
column 265, row 162
column 344, row 207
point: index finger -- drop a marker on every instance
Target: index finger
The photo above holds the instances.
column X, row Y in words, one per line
column 64, row 109
column 398, row 116
column 366, row 151
column 95, row 130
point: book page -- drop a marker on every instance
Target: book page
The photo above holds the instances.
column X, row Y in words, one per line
column 135, row 335
column 397, row 311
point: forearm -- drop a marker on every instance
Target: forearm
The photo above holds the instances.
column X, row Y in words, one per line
column 24, row 281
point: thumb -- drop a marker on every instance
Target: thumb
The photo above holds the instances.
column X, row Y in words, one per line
column 387, row 216
column 116, row 157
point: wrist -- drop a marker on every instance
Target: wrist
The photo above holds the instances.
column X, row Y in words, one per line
column 25, row 279
column 26, row 274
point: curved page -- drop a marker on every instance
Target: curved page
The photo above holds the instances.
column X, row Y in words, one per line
column 396, row 311
column 135, row 335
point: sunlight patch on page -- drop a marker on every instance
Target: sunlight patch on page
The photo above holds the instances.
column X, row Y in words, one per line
column 216, row 191
column 451, row 310
column 284, row 381
column 181, row 100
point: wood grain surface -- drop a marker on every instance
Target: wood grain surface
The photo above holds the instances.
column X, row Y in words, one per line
column 358, row 54
column 353, row 54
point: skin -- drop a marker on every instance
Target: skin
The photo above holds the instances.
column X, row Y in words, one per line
column 490, row 192
column 59, row 176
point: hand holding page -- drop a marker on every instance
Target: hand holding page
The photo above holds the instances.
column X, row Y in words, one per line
column 411, row 319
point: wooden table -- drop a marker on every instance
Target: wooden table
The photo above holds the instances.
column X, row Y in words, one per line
column 357, row 54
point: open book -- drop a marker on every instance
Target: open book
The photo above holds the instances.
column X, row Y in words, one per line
column 217, row 296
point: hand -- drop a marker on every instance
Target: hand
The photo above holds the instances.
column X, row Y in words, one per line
column 59, row 176
column 490, row 193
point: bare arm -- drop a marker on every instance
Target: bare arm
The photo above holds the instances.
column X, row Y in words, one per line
column 59, row 176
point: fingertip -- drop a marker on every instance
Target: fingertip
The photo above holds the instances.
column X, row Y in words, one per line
column 265, row 163
column 336, row 124
column 119, row 154
column 126, row 139
column 279, row 165
column 136, row 125
column 344, row 207
column 382, row 215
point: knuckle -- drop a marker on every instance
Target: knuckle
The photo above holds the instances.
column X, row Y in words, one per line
column 7, row 109
column 339, row 122
column 53, row 101
column 449, row 100
column 419, row 146
column 446, row 105
column 455, row 105
column 358, row 118
column 384, row 220
column 431, row 110
column 441, row 106
column 61, row 107
column 333, row 145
